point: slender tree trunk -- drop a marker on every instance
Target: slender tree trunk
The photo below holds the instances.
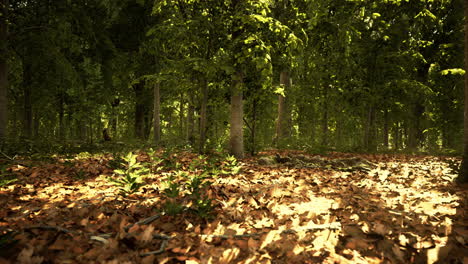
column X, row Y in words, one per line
column 139, row 111
column 107, row 75
column 236, row 132
column 283, row 129
column 181, row 116
column 3, row 69
column 254, row 126
column 203, row 116
column 325, row 119
column 463, row 176
column 36, row 123
column 156, row 114
column 385, row 129
column 191, row 121
column 27, row 101
column 397, row 136
column 61, row 113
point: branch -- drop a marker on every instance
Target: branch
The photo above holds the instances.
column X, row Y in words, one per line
column 145, row 221
column 248, row 125
column 8, row 157
column 161, row 249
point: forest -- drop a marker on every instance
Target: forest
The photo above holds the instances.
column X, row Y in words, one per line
column 233, row 131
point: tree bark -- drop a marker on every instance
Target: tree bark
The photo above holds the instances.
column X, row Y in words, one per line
column 139, row 111
column 157, row 114
column 283, row 126
column 191, row 121
column 181, row 116
column 3, row 69
column 203, row 116
column 236, row 131
column 385, row 129
column 27, row 99
column 61, row 113
column 107, row 76
column 254, row 127
column 369, row 135
column 397, row 136
column 324, row 142
column 463, row 176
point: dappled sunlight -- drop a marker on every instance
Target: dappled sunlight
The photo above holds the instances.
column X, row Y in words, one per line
column 293, row 213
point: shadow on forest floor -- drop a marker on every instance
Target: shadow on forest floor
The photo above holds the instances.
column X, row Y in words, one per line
column 404, row 210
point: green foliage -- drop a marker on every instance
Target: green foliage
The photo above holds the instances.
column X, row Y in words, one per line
column 6, row 177
column 187, row 191
column 231, row 166
column 130, row 179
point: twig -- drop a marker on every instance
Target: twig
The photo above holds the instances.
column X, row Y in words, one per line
column 145, row 221
column 8, row 157
column 161, row 249
column 99, row 239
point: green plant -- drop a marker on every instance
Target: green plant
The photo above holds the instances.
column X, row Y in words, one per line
column 173, row 192
column 198, row 163
column 156, row 163
column 196, row 185
column 231, row 166
column 132, row 177
column 203, row 207
column 193, row 189
column 5, row 177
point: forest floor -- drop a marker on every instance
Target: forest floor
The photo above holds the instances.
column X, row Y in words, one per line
column 282, row 207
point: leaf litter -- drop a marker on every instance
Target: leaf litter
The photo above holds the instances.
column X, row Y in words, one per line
column 298, row 209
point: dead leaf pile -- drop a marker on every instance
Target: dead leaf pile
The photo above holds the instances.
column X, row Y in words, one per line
column 405, row 209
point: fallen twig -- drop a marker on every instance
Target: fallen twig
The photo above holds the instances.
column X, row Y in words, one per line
column 8, row 157
column 145, row 221
column 161, row 249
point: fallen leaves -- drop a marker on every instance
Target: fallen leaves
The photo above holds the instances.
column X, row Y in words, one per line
column 402, row 209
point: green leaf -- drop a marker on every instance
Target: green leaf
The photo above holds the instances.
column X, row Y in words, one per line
column 455, row 71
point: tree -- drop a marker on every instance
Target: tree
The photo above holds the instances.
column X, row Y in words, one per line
column 156, row 115
column 463, row 177
column 237, row 114
column 4, row 5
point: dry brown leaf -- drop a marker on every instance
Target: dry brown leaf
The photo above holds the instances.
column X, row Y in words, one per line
column 147, row 234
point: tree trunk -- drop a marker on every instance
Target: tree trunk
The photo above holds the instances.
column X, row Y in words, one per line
column 397, row 136
column 385, row 129
column 27, row 101
column 254, row 126
column 191, row 121
column 283, row 126
column 463, row 176
column 181, row 116
column 156, row 114
column 203, row 116
column 415, row 131
column 139, row 111
column 325, row 120
column 369, row 135
column 61, row 130
column 236, row 131
column 107, row 76
column 37, row 123
column 3, row 70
